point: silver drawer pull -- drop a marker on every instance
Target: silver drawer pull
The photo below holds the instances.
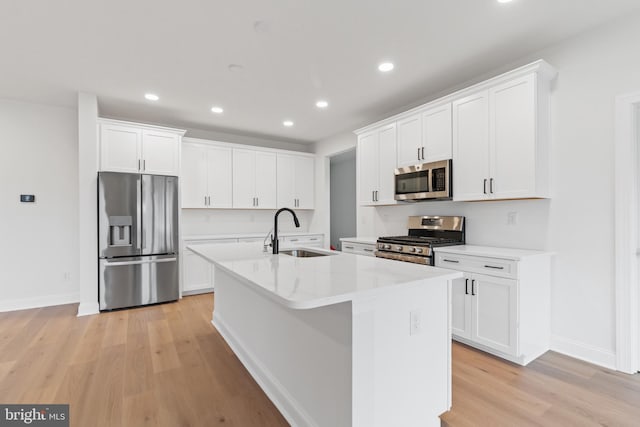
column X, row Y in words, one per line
column 293, row 240
column 368, row 250
column 315, row 238
column 493, row 266
column 451, row 260
column 348, row 247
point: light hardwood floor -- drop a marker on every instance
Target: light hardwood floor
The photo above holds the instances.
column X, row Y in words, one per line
column 166, row 365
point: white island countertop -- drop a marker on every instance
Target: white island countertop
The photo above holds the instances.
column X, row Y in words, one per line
column 304, row 283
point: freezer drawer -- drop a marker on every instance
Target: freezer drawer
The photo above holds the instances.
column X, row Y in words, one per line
column 131, row 282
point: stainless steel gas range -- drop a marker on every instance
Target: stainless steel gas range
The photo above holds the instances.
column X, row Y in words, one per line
column 425, row 233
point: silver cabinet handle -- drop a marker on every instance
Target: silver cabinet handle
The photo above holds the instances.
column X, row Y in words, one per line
column 315, row 238
column 491, row 186
column 368, row 250
column 466, row 286
column 422, row 153
column 494, row 267
column 257, row 201
column 451, row 260
column 348, row 247
column 139, row 164
column 293, row 240
column 144, row 165
column 485, row 186
column 473, row 287
column 418, row 153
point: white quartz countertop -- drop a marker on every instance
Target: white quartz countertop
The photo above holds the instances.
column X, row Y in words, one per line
column 304, row 283
column 491, row 252
column 244, row 235
column 363, row 240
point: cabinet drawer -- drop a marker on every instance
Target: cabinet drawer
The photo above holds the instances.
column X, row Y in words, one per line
column 490, row 266
column 293, row 241
column 358, row 248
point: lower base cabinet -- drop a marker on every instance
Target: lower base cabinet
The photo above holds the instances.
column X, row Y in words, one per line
column 501, row 306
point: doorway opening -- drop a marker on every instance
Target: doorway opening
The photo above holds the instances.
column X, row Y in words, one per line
column 342, row 178
column 627, row 232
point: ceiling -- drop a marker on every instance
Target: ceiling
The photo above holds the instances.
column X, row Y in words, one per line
column 291, row 52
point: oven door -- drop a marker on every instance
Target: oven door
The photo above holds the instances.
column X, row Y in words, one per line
column 425, row 260
column 423, row 182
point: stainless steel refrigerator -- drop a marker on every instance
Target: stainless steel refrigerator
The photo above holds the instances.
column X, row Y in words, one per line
column 137, row 239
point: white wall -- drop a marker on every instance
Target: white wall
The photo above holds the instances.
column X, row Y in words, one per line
column 39, row 250
column 324, row 149
column 577, row 223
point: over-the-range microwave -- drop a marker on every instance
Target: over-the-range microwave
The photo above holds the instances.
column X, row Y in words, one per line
column 428, row 181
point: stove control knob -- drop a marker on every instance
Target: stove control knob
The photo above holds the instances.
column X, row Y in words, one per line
column 398, row 248
column 387, row 247
column 413, row 249
column 418, row 250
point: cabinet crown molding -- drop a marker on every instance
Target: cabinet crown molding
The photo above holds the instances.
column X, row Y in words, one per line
column 102, row 120
column 543, row 69
column 233, row 145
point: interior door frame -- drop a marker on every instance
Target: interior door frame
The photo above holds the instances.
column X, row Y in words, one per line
column 626, row 233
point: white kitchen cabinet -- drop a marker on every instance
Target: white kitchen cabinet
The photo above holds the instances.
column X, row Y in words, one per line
column 376, row 166
column 502, row 305
column 206, row 176
column 358, row 247
column 137, row 148
column 437, row 136
column 410, row 148
column 425, row 136
column 197, row 273
column 306, row 240
column 254, row 179
column 501, row 141
column 295, row 181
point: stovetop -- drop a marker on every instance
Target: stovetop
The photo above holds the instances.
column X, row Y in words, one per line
column 419, row 240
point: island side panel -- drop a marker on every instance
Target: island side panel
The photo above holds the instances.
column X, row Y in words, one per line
column 300, row 358
column 400, row 378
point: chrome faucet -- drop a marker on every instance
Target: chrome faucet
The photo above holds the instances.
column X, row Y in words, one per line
column 274, row 238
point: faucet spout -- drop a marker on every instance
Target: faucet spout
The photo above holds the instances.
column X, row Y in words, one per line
column 274, row 239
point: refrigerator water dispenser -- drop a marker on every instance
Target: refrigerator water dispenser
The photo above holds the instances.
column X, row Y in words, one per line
column 120, row 230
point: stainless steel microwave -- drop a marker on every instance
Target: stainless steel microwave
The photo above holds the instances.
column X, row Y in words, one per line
column 428, row 181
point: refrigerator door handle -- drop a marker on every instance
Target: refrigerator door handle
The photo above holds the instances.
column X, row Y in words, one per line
column 148, row 261
column 139, row 214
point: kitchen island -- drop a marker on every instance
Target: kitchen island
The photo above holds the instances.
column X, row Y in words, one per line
column 338, row 340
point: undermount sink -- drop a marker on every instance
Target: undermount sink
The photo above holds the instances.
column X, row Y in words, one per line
column 304, row 253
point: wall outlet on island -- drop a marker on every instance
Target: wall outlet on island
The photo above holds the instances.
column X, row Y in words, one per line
column 512, row 218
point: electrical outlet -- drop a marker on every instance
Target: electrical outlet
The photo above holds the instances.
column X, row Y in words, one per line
column 512, row 218
column 415, row 320
column 67, row 276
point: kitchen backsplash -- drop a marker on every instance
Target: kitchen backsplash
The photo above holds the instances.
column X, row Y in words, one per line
column 232, row 221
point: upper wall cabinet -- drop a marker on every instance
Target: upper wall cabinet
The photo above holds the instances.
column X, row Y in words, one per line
column 206, row 176
column 376, row 164
column 295, row 181
column 496, row 132
column 138, row 148
column 501, row 144
column 254, row 179
column 425, row 136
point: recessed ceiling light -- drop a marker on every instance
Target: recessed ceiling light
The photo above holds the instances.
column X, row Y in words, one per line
column 385, row 67
column 322, row 104
column 505, row 1
column 217, row 110
column 151, row 96
column 287, row 123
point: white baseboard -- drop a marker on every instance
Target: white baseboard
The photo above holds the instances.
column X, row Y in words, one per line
column 88, row 308
column 588, row 353
column 37, row 302
column 286, row 404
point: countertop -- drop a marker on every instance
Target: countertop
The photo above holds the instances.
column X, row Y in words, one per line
column 491, row 252
column 245, row 235
column 362, row 240
column 303, row 283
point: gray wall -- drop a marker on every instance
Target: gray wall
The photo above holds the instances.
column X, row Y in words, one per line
column 343, row 196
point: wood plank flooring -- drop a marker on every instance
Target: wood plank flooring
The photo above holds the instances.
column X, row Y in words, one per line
column 166, row 365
